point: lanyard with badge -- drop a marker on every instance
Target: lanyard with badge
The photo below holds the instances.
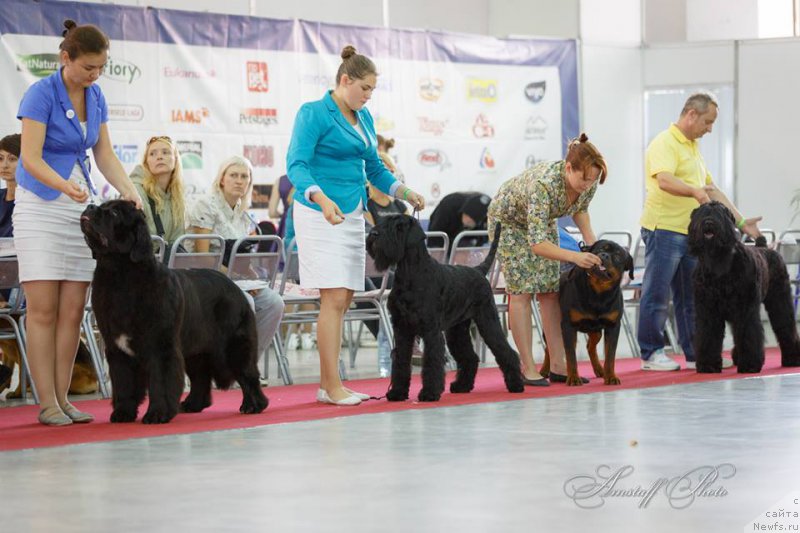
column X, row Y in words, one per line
column 86, row 168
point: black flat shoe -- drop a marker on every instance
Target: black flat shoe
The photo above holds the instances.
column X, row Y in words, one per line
column 541, row 382
column 560, row 378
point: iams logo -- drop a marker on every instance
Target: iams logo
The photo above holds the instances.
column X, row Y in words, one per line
column 483, row 90
column 260, row 155
column 259, row 116
column 257, row 77
column 121, row 70
column 429, row 125
column 535, row 91
column 179, row 72
column 482, row 127
column 189, row 116
column 383, row 124
column 430, row 89
column 487, row 161
column 126, row 112
column 127, row 153
column 39, row 65
column 191, row 154
column 433, row 158
column 535, row 129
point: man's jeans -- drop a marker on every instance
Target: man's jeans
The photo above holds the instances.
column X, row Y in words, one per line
column 668, row 265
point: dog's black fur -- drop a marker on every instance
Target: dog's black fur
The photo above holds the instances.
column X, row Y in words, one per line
column 155, row 321
column 591, row 302
column 428, row 298
column 730, row 283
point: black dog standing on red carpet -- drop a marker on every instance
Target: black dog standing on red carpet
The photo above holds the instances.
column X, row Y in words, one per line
column 428, row 298
column 155, row 321
column 731, row 282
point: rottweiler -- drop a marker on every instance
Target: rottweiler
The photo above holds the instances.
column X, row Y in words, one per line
column 591, row 302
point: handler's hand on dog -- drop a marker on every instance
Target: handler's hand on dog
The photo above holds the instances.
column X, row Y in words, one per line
column 75, row 192
column 701, row 194
column 587, row 260
column 417, row 200
column 751, row 226
column 133, row 197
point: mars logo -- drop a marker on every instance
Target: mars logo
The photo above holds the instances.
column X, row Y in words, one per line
column 126, row 112
column 430, row 89
column 259, row 116
column 535, row 91
column 483, row 90
column 257, row 77
column 531, row 161
column 191, row 154
column 189, row 116
column 260, row 155
column 126, row 153
column 535, row 129
column 487, row 161
column 433, row 158
column 429, row 125
column 482, row 127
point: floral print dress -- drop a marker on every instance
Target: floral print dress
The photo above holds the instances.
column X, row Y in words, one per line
column 528, row 207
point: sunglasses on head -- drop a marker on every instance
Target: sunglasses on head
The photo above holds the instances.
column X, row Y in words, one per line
column 159, row 138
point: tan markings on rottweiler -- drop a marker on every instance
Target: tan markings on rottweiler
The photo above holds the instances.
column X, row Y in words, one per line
column 123, row 342
column 577, row 316
column 612, row 316
column 602, row 285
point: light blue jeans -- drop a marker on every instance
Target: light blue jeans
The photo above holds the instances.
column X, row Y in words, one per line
column 668, row 267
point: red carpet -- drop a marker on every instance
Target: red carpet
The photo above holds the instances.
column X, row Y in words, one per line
column 20, row 430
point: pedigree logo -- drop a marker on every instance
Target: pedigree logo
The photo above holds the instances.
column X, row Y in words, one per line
column 189, row 116
column 430, row 89
column 535, row 129
column 186, row 74
column 121, row 70
column 257, row 77
column 482, row 127
column 535, row 91
column 259, row 116
column 260, row 155
column 487, row 161
column 483, row 90
column 433, row 158
column 429, row 125
column 127, row 153
column 39, row 65
column 125, row 112
column 191, row 154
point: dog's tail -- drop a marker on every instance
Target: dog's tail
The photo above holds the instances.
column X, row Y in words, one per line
column 761, row 242
column 484, row 267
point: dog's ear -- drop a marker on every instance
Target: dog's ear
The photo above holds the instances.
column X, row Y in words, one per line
column 142, row 245
column 415, row 233
column 629, row 264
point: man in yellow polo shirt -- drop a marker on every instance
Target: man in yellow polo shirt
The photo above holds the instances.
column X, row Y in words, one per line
column 677, row 181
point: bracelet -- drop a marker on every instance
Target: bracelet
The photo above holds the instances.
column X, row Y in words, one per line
column 741, row 223
column 405, row 194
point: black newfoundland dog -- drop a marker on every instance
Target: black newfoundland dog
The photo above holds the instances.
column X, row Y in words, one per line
column 428, row 298
column 156, row 321
column 730, row 284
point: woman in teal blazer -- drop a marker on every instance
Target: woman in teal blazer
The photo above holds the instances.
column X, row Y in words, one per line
column 332, row 154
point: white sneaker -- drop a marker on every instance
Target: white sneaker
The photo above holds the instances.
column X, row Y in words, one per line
column 306, row 341
column 726, row 363
column 294, row 342
column 660, row 361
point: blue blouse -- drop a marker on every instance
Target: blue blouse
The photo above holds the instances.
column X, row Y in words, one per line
column 46, row 101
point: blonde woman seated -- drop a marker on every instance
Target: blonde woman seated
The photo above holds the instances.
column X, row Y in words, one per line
column 223, row 211
column 159, row 181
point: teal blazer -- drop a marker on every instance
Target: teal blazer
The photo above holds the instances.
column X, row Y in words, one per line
column 327, row 153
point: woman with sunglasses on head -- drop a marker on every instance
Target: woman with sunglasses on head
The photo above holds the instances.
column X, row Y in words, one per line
column 332, row 153
column 62, row 116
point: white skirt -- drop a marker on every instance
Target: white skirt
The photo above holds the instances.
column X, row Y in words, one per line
column 330, row 256
column 48, row 237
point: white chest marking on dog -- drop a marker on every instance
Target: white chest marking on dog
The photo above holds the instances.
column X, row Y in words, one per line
column 123, row 343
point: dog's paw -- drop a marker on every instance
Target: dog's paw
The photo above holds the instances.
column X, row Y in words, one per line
column 790, row 360
column 194, row 405
column 120, row 416
column 157, row 416
column 461, row 387
column 514, row 383
column 429, row 396
column 612, row 380
column 396, row 395
column 708, row 369
column 749, row 369
column 252, row 406
column 574, row 381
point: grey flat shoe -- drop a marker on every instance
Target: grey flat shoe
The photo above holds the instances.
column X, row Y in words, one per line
column 54, row 416
column 541, row 382
column 79, row 417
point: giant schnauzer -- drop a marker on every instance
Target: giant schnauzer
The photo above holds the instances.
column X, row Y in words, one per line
column 428, row 298
column 730, row 283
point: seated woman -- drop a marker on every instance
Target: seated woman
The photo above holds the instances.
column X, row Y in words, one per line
column 223, row 211
column 159, row 181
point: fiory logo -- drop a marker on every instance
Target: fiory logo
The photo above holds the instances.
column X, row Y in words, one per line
column 39, row 65
column 535, row 91
column 121, row 70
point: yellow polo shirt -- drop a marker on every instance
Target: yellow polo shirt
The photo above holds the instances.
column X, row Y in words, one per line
column 672, row 152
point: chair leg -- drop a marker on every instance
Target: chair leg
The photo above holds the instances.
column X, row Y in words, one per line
column 24, row 370
column 94, row 351
column 629, row 334
column 282, row 360
column 537, row 319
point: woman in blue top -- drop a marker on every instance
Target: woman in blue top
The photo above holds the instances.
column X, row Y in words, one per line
column 332, row 154
column 62, row 116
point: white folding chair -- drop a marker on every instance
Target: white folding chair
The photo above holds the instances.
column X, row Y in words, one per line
column 437, row 243
column 180, row 258
column 789, row 248
column 13, row 314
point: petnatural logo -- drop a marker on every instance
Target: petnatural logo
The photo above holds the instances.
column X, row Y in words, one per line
column 121, row 70
column 179, row 72
column 431, row 89
column 189, row 116
column 126, row 153
column 257, row 77
column 535, row 91
column 482, row 127
column 433, row 158
column 487, row 161
column 260, row 155
column 39, row 65
column 483, row 90
column 191, row 154
column 259, row 116
column 535, row 129
column 429, row 125
column 126, row 112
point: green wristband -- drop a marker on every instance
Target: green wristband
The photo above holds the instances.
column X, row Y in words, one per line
column 405, row 194
column 740, row 224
